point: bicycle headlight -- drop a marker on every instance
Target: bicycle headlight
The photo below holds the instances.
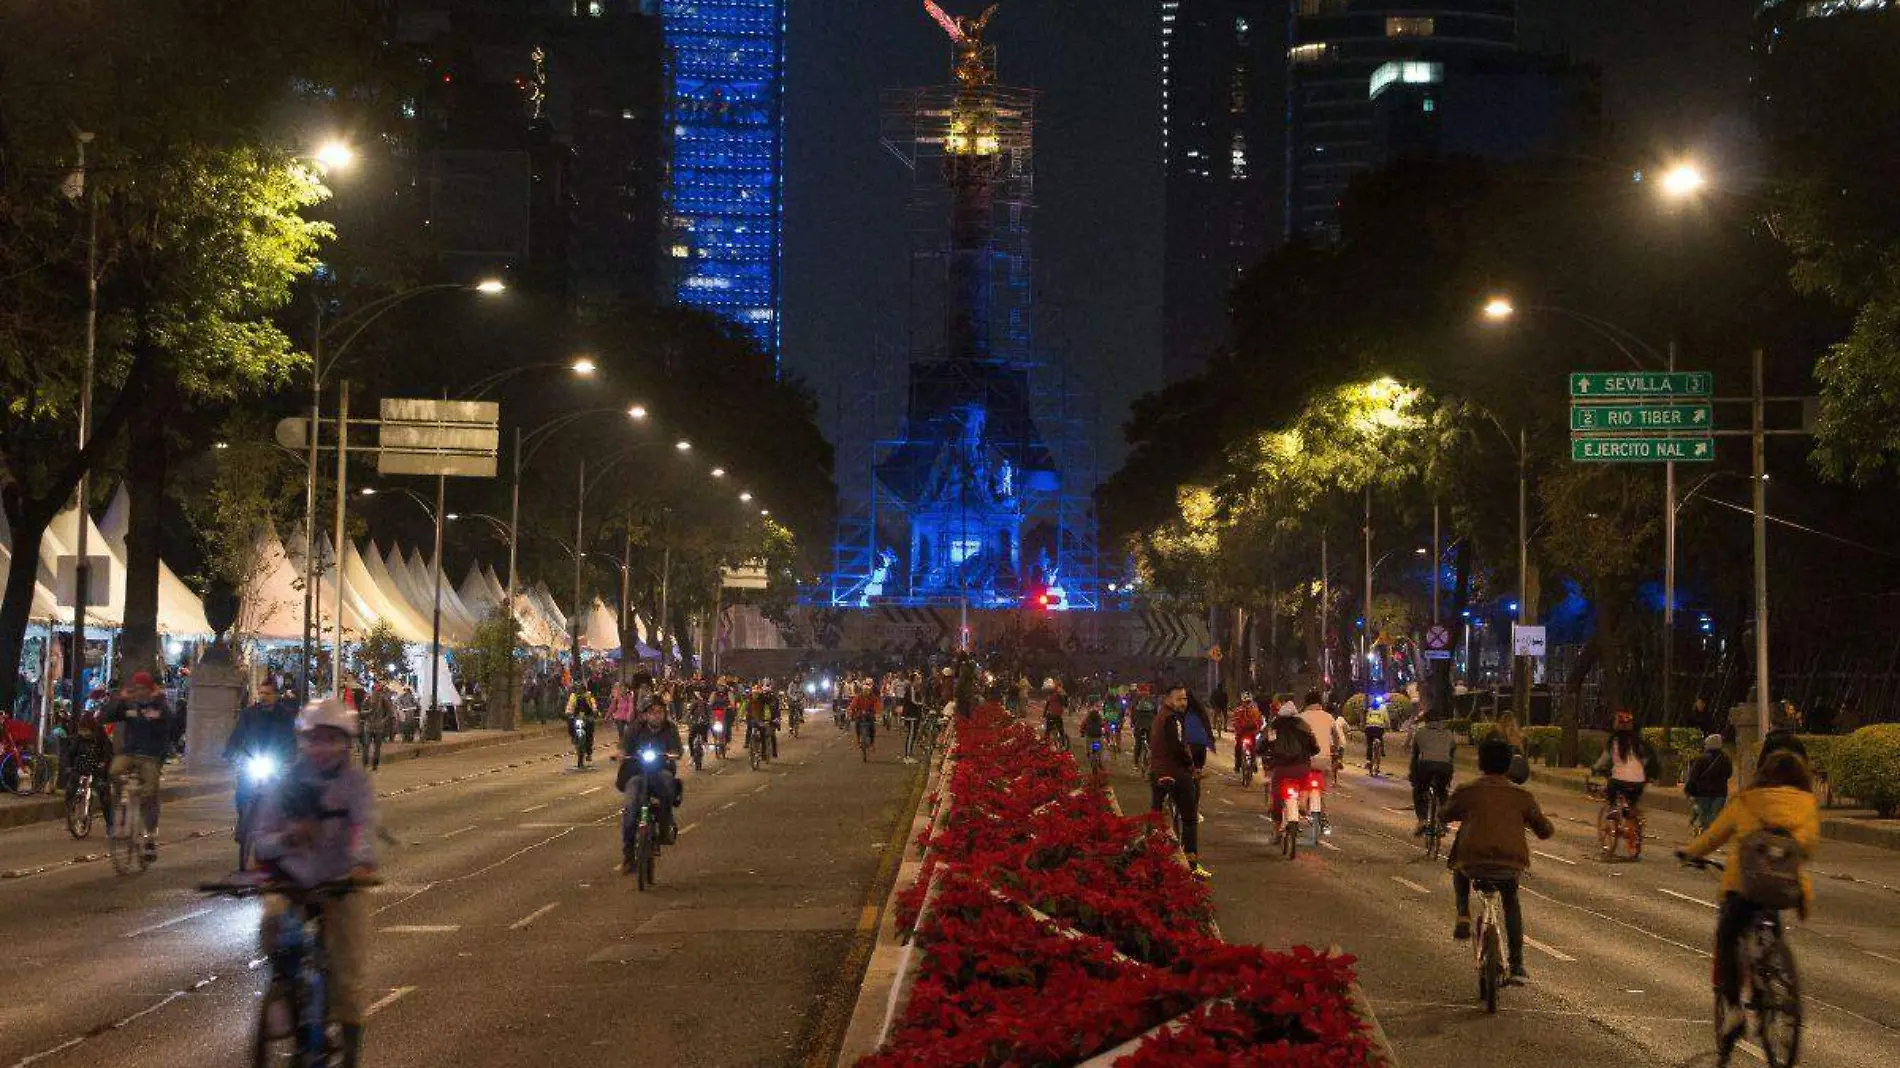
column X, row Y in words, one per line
column 719, row 728
column 260, row 768
column 648, row 756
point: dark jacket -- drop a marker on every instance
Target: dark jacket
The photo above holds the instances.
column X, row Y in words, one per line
column 1495, row 814
column 148, row 725
column 1168, row 756
column 1282, row 756
column 640, row 736
column 379, row 714
column 265, row 728
column 1709, row 775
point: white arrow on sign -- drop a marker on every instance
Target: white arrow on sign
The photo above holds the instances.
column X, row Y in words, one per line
column 1583, row 385
column 1702, row 448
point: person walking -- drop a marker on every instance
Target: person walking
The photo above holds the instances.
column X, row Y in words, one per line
column 377, row 721
column 1172, row 774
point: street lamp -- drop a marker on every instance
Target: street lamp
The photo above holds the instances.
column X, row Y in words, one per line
column 491, row 286
column 432, row 726
column 1683, row 181
column 683, row 445
column 584, row 367
column 719, row 472
column 334, row 155
column 745, row 498
column 637, row 412
column 1498, row 309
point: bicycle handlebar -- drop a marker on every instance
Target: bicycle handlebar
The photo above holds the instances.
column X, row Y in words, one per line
column 253, row 888
column 1700, row 862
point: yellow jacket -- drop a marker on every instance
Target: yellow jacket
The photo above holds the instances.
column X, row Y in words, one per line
column 1792, row 810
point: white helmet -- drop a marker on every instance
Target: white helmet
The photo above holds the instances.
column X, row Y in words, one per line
column 329, row 712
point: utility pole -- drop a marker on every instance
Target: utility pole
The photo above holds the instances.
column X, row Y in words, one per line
column 342, row 505
column 514, row 524
column 432, row 731
column 1325, row 606
column 1760, row 442
column 311, row 625
column 82, row 574
column 1669, row 581
column 1521, row 671
column 577, row 622
column 1365, row 631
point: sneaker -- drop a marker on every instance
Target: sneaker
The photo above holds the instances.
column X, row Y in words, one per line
column 1462, row 929
column 1200, row 817
column 151, row 853
column 1518, row 974
column 1199, row 872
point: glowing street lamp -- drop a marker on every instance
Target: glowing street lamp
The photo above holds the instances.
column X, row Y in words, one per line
column 1683, row 181
column 584, row 367
column 719, row 472
column 1498, row 309
column 491, row 286
column 745, row 498
column 683, row 445
column 637, row 412
column 334, row 155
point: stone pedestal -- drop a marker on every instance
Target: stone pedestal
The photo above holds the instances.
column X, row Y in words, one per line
column 217, row 690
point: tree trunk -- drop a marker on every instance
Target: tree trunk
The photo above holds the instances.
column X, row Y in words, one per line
column 1568, row 706
column 22, row 575
column 147, row 461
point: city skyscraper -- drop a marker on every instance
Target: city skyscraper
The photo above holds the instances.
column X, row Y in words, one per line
column 1223, row 130
column 1335, row 49
column 726, row 112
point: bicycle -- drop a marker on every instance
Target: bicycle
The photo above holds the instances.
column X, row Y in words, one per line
column 1171, row 815
column 1771, row 990
column 86, row 788
column 294, row 1027
column 646, row 833
column 865, row 736
column 1141, row 750
column 795, row 718
column 129, row 839
column 1096, row 764
column 1487, row 938
column 1290, row 822
column 755, row 746
column 1248, row 761
column 1434, row 828
column 1375, row 756
column 23, row 771
column 1618, row 824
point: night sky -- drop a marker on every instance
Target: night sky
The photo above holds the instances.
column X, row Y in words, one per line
column 1675, row 79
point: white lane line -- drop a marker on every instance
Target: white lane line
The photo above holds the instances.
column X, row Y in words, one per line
column 421, row 928
column 1753, row 1051
column 194, row 914
column 532, row 916
column 1686, row 897
column 727, row 805
column 1881, row 956
column 534, row 808
column 761, row 786
column 590, row 790
column 689, row 826
column 1555, row 857
column 1410, row 885
column 387, row 1000
column 1557, row 953
column 459, row 830
column 1226, row 801
column 1614, row 920
column 1324, row 844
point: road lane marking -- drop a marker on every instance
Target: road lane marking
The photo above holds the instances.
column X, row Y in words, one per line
column 590, row 790
column 1399, row 808
column 459, row 830
column 727, row 805
column 1881, row 956
column 1614, row 920
column 171, row 922
column 689, row 826
column 1324, row 844
column 421, row 928
column 1557, row 953
column 387, row 1000
column 534, row 808
column 1686, row 897
column 761, row 786
column 532, row 916
column 1555, row 857
column 1409, row 884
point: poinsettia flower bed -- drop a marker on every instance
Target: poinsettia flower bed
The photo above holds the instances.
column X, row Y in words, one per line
column 1052, row 931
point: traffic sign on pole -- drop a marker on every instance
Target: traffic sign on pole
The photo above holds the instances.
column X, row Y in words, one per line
column 1642, row 449
column 1631, row 385
column 1587, row 417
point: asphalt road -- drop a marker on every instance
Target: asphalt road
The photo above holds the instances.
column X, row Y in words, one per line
column 1618, row 953
column 502, row 936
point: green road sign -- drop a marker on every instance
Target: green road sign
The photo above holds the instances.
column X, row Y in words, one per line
column 1637, row 450
column 1633, row 385
column 1587, row 417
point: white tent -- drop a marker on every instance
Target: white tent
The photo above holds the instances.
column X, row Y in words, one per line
column 423, row 577
column 180, row 611
column 445, row 681
column 476, row 595
column 62, row 539
column 600, row 632
column 44, row 609
column 355, row 612
column 384, row 599
column 271, row 608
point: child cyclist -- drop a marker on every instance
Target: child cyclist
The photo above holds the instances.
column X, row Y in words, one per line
column 1495, row 813
column 319, row 826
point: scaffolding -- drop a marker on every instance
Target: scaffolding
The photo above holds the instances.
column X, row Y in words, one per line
column 967, row 483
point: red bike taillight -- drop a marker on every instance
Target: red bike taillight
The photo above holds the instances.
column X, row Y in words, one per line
column 1315, row 781
column 1292, row 790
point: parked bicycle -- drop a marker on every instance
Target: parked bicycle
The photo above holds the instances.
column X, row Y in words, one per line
column 22, row 771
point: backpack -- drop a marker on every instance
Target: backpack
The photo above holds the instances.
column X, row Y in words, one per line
column 1290, row 745
column 1770, row 861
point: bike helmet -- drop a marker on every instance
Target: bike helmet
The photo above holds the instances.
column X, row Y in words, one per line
column 330, row 712
column 1623, row 721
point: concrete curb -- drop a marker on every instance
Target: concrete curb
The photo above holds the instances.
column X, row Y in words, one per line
column 879, row 991
column 49, row 809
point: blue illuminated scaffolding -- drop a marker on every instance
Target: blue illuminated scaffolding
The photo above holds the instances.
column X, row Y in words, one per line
column 726, row 111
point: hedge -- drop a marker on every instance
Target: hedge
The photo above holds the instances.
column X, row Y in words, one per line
column 1865, row 766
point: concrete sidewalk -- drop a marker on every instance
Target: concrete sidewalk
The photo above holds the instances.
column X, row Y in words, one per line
column 1856, row 825
column 23, row 811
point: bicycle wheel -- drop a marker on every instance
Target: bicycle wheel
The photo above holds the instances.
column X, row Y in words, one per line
column 123, row 839
column 1633, row 838
column 79, row 810
column 1607, row 832
column 1777, row 998
column 1433, row 831
column 277, row 1025
column 643, row 854
column 1490, row 968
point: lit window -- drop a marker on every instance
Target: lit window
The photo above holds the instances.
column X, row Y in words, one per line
column 1430, row 105
column 680, row 252
column 1408, row 73
column 1409, row 26
column 596, row 8
column 1241, row 28
column 1307, row 53
column 1237, row 155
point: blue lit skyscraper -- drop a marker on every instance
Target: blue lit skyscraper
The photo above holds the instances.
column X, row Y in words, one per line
column 727, row 117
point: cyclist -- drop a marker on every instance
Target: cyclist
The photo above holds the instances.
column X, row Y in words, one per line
column 582, row 705
column 1328, row 730
column 1247, row 726
column 1053, row 727
column 1781, row 799
column 1142, row 717
column 1432, row 747
column 268, row 728
column 143, row 745
column 1171, row 774
column 913, row 725
column 1093, row 725
column 1114, row 711
column 698, row 722
column 320, row 826
column 1291, row 747
column 1377, row 721
column 1629, row 763
column 1494, row 814
column 640, row 782
column 864, row 715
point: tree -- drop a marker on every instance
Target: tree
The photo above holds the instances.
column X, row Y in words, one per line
column 381, row 654
column 251, row 491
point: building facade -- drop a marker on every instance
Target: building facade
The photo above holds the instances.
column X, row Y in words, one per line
column 1223, row 114
column 725, row 197
column 1334, row 50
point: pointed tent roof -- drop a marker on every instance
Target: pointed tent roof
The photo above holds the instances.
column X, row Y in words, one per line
column 476, row 595
column 601, row 633
column 180, row 611
column 386, row 601
column 453, row 608
column 272, row 609
column 62, row 538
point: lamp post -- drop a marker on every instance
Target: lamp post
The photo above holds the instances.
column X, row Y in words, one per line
column 432, row 726
column 320, row 367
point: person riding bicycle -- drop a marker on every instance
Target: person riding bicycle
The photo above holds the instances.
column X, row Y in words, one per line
column 1171, row 774
column 1141, row 715
column 1378, row 720
column 642, row 780
column 267, row 727
column 864, row 716
column 86, row 749
column 1247, row 725
column 1629, row 763
column 1494, row 813
column 698, row 722
column 1114, row 714
column 1094, row 727
column 1291, row 747
column 1053, row 706
column 1329, row 730
column 320, row 826
column 142, row 745
column 581, row 704
column 1706, row 781
column 913, row 722
column 1432, row 747
column 1781, row 799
